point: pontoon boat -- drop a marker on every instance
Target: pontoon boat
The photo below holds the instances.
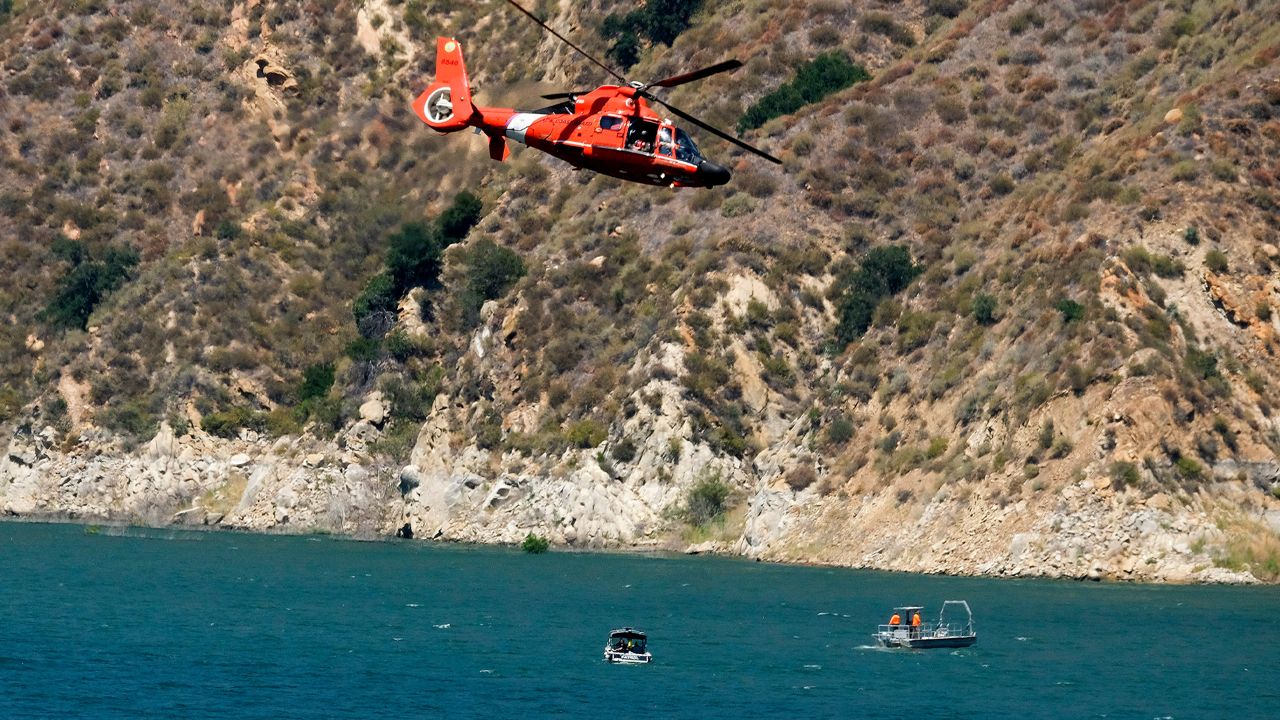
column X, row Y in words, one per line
column 954, row 628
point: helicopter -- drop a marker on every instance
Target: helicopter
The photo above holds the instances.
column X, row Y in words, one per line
column 611, row 130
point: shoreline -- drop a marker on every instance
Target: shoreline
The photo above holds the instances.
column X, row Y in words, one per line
column 638, row 550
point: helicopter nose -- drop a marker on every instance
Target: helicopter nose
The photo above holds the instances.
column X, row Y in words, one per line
column 713, row 174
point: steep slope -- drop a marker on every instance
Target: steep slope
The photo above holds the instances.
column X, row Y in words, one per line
column 1076, row 379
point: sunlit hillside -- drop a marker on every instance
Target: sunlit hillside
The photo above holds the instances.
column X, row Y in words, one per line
column 1010, row 304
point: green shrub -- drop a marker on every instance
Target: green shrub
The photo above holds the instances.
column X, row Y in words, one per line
column 492, row 270
column 586, row 434
column 1070, row 309
column 840, row 431
column 1192, row 236
column 379, row 295
column 1167, row 267
column 825, row 74
column 883, row 24
column 1124, row 474
column 227, row 423
column 1203, row 365
column 132, row 418
column 706, row 501
column 535, row 544
column 316, row 381
column 1216, row 261
column 1188, row 468
column 945, row 8
column 1001, row 184
column 1022, row 21
column 363, row 349
column 624, row 451
column 984, row 309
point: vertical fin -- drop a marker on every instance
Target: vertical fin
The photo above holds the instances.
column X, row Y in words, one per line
column 446, row 104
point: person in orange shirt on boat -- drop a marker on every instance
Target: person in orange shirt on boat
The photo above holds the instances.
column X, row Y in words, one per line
column 895, row 620
column 915, row 624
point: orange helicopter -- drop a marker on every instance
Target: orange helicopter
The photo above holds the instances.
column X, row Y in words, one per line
column 611, row 130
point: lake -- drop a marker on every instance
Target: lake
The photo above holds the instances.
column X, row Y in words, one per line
column 152, row 623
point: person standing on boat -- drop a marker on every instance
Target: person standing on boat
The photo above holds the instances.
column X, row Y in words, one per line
column 915, row 624
column 896, row 620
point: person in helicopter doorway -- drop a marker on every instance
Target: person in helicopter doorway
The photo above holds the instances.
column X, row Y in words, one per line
column 641, row 134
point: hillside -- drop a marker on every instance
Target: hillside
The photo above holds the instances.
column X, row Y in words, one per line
column 1007, row 307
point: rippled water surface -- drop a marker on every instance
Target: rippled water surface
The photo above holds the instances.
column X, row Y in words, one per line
column 132, row 623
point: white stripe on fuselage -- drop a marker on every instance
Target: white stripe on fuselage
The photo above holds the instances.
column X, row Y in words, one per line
column 519, row 124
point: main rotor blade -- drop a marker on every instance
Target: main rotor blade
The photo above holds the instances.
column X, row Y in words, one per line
column 715, row 130
column 566, row 41
column 563, row 95
column 696, row 74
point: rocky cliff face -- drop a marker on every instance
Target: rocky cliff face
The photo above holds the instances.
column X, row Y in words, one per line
column 1077, row 380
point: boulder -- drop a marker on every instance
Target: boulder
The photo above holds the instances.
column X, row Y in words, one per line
column 373, row 409
column 1174, row 116
column 239, row 460
column 410, row 478
column 162, row 445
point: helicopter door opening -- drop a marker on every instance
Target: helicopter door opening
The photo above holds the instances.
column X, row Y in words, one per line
column 640, row 136
column 665, row 145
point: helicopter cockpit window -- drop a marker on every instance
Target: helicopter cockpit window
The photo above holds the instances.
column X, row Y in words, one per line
column 686, row 151
column 608, row 122
column 641, row 134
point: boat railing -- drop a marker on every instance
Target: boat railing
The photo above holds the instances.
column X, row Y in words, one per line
column 925, row 630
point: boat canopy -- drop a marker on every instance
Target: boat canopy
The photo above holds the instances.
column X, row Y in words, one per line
column 628, row 634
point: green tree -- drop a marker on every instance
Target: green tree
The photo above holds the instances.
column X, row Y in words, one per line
column 413, row 258
column 885, row 271
column 458, row 220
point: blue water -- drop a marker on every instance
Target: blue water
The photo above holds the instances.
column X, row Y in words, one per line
column 134, row 623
